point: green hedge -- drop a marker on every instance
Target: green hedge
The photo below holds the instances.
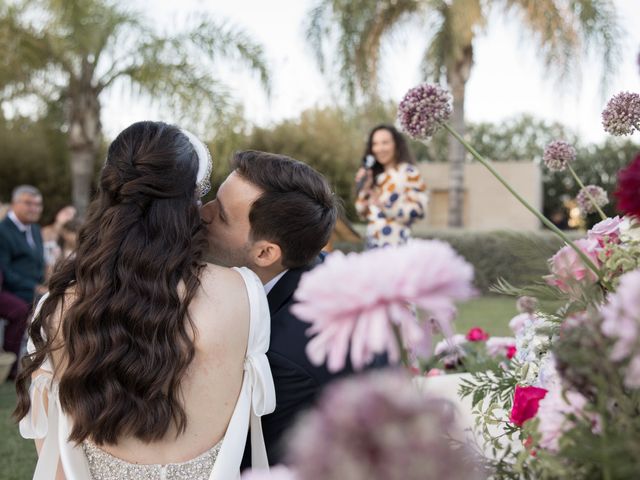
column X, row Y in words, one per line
column 519, row 258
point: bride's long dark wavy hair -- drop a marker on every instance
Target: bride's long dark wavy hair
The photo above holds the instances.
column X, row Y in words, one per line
column 126, row 338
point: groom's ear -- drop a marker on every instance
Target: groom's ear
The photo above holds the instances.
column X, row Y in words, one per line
column 266, row 254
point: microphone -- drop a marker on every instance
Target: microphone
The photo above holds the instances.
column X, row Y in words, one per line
column 368, row 163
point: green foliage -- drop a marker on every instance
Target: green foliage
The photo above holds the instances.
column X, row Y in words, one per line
column 356, row 32
column 18, row 455
column 517, row 258
column 35, row 152
column 331, row 140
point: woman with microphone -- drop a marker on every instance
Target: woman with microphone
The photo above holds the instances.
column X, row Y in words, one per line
column 391, row 194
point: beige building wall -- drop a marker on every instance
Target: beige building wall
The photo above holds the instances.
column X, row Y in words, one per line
column 488, row 205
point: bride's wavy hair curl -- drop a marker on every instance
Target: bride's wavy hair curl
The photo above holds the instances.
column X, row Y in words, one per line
column 126, row 338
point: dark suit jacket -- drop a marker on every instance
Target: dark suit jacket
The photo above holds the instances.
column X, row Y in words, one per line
column 297, row 381
column 21, row 265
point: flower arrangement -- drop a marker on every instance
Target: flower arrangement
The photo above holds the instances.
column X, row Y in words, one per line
column 564, row 392
column 569, row 402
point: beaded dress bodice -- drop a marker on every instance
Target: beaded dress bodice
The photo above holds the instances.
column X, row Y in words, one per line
column 104, row 466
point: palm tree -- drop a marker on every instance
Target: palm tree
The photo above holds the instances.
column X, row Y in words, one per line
column 73, row 51
column 562, row 28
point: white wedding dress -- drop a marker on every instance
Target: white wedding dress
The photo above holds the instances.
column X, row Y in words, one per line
column 222, row 462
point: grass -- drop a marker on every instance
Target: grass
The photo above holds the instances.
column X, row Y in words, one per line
column 18, row 455
column 491, row 312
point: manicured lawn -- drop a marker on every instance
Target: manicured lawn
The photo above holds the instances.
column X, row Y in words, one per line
column 492, row 313
column 18, row 456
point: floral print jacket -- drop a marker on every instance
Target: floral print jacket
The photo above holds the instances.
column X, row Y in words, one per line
column 402, row 200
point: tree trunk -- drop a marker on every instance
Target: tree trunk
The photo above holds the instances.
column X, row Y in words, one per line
column 85, row 132
column 457, row 77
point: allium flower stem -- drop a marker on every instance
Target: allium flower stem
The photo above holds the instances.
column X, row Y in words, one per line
column 404, row 357
column 526, row 204
column 586, row 190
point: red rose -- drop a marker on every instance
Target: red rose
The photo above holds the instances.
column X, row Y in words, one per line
column 476, row 334
column 525, row 403
column 511, row 351
column 628, row 190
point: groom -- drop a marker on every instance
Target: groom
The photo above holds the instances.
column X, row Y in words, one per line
column 274, row 214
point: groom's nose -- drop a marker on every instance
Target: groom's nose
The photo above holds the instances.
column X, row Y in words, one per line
column 206, row 211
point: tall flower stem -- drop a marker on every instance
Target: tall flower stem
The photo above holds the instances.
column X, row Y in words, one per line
column 586, row 190
column 526, row 204
column 404, row 357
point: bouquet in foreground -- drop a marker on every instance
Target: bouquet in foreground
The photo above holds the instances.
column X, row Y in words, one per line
column 568, row 403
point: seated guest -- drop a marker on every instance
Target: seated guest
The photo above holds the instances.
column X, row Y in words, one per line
column 21, row 252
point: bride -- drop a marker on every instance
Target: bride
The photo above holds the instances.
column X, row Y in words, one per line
column 144, row 361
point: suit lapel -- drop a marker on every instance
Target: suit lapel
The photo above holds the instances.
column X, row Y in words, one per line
column 284, row 289
column 286, row 286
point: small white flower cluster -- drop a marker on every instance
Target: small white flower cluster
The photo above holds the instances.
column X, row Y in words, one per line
column 533, row 348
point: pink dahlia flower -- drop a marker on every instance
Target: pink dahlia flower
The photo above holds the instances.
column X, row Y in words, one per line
column 353, row 300
column 568, row 269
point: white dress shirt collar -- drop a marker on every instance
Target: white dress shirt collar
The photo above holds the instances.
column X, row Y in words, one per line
column 21, row 226
column 272, row 283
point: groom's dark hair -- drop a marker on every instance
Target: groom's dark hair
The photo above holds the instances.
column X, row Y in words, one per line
column 296, row 210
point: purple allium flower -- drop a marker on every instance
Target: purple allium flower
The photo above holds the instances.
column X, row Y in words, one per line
column 527, row 304
column 598, row 194
column 558, row 154
column 378, row 427
column 621, row 322
column 621, row 116
column 423, row 110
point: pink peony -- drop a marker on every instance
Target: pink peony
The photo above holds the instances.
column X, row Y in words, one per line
column 525, row 403
column 567, row 269
column 476, row 334
column 552, row 414
column 501, row 346
column 621, row 322
column 278, row 472
column 511, row 351
column 608, row 229
column 352, row 300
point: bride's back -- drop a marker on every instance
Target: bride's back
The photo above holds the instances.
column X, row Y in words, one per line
column 146, row 341
column 209, row 389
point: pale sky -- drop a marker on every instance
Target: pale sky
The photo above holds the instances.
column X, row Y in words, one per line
column 507, row 79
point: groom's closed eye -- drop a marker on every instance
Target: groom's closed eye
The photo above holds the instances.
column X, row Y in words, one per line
column 222, row 215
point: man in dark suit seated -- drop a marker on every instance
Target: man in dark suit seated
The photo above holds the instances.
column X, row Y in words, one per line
column 21, row 260
column 274, row 214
